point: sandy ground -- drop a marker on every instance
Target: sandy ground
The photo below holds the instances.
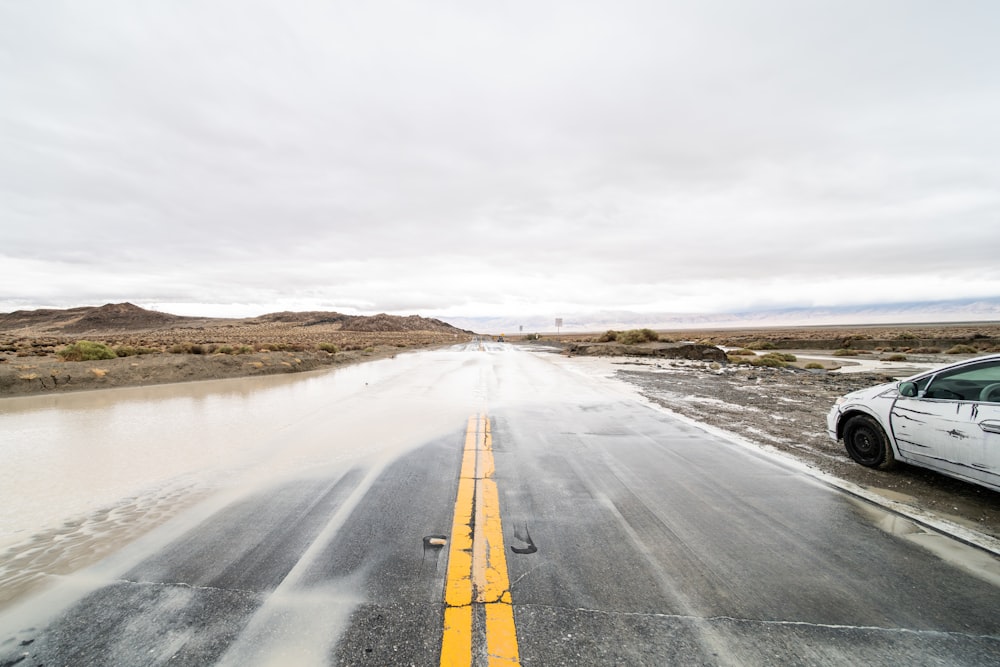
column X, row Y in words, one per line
column 21, row 376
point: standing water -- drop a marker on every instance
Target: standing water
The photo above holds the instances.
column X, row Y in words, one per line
column 85, row 472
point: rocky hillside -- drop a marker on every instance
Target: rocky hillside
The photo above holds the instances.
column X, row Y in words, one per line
column 127, row 317
column 109, row 317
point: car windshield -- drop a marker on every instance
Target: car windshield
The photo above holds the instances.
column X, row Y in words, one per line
column 967, row 383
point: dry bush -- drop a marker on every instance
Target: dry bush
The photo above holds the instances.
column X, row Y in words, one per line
column 637, row 336
column 86, row 350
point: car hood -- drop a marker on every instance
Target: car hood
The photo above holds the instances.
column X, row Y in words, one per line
column 888, row 388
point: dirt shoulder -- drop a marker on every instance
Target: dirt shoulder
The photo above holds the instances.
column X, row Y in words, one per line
column 37, row 375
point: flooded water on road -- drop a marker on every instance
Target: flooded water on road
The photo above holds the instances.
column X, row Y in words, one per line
column 85, row 472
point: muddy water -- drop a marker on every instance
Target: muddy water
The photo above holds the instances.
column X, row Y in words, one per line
column 84, row 473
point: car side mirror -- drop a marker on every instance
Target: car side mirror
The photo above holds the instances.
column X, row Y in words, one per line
column 908, row 389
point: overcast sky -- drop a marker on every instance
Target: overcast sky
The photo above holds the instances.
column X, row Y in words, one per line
column 473, row 158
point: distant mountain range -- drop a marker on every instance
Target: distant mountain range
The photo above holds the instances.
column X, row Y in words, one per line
column 129, row 317
column 916, row 312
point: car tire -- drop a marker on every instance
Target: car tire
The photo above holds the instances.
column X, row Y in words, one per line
column 867, row 443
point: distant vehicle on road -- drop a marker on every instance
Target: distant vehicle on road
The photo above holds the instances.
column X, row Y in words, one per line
column 946, row 420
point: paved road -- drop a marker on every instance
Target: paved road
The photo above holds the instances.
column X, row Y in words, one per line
column 608, row 532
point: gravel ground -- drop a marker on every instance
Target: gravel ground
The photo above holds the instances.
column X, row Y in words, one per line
column 786, row 410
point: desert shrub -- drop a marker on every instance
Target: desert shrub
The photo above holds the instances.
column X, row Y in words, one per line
column 224, row 349
column 636, row 336
column 769, row 360
column 733, row 359
column 631, row 337
column 535, row 336
column 328, row 347
column 243, row 349
column 650, row 335
column 187, row 348
column 961, row 349
column 906, row 336
column 895, row 357
column 845, row 352
column 368, row 350
column 85, row 350
column 761, row 345
column 926, row 350
column 814, row 366
column 132, row 351
column 608, row 336
column 742, row 352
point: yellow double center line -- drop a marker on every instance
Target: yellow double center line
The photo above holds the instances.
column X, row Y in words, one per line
column 477, row 562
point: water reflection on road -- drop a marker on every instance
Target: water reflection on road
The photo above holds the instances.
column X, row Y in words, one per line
column 71, row 461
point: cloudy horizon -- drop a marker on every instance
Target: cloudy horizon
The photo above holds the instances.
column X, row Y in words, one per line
column 447, row 159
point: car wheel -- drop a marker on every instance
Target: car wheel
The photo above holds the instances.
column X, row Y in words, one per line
column 867, row 443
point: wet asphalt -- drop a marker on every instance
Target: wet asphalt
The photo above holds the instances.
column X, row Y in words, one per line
column 631, row 539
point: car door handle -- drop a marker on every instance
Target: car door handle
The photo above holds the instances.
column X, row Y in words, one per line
column 990, row 425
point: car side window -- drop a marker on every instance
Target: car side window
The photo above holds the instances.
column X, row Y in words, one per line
column 978, row 382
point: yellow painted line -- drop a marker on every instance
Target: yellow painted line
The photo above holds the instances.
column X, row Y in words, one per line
column 458, row 585
column 456, row 644
column 501, row 637
column 477, row 560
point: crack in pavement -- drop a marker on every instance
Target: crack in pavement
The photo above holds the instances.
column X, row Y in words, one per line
column 181, row 584
column 760, row 621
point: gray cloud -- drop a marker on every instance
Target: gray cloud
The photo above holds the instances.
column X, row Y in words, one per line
column 481, row 160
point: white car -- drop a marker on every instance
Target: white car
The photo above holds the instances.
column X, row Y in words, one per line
column 946, row 420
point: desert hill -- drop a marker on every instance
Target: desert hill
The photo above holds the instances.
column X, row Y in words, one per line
column 127, row 317
column 139, row 346
column 128, row 328
column 109, row 317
